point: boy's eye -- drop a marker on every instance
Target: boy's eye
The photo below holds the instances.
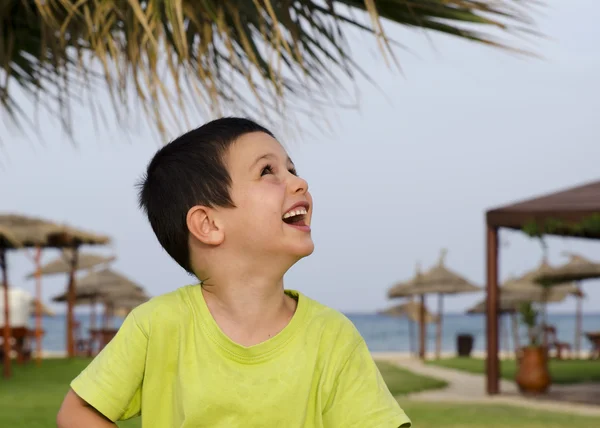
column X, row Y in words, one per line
column 266, row 170
column 293, row 171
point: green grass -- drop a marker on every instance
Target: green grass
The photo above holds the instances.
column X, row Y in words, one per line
column 32, row 397
column 401, row 381
column 561, row 371
column 449, row 415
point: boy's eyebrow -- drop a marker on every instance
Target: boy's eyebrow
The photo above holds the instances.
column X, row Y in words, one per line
column 269, row 156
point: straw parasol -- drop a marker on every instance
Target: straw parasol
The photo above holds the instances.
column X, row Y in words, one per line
column 438, row 280
column 510, row 299
column 19, row 231
column 85, row 261
column 410, row 310
column 522, row 286
column 108, row 287
column 114, row 300
column 536, row 278
column 515, row 292
column 61, row 264
column 578, row 268
column 45, row 310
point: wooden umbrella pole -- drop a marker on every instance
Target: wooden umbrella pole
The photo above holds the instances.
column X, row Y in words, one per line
column 93, row 314
column 6, row 332
column 105, row 316
column 422, row 329
column 515, row 331
column 111, row 316
column 38, row 306
column 545, row 324
column 411, row 336
column 438, row 347
column 578, row 326
column 71, row 295
column 505, row 331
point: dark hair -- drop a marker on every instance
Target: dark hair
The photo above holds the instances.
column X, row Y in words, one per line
column 189, row 171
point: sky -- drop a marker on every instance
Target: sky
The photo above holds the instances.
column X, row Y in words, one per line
column 463, row 129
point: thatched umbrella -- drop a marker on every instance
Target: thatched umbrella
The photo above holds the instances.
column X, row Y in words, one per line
column 18, row 231
column 114, row 298
column 527, row 287
column 46, row 311
column 438, row 280
column 412, row 311
column 536, row 278
column 110, row 288
column 578, row 268
column 515, row 292
column 62, row 264
column 510, row 299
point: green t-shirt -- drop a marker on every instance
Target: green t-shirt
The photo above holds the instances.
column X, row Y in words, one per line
column 171, row 363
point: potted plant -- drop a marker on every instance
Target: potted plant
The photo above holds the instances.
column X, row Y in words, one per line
column 532, row 375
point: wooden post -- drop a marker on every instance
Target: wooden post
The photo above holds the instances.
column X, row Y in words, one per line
column 6, row 332
column 515, row 332
column 93, row 314
column 71, row 296
column 411, row 337
column 438, row 345
column 505, row 333
column 492, row 361
column 578, row 325
column 422, row 329
column 38, row 306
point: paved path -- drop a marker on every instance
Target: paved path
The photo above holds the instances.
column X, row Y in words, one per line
column 470, row 388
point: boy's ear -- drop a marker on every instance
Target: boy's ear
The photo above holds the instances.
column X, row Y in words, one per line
column 204, row 226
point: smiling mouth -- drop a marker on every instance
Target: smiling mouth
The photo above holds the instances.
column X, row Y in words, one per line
column 296, row 217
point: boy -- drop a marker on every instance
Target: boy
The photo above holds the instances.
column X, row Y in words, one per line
column 238, row 350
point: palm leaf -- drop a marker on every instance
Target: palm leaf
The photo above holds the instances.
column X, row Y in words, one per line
column 219, row 56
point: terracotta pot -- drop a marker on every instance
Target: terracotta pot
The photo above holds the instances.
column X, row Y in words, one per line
column 533, row 376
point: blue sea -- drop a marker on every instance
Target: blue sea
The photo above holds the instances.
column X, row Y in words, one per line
column 384, row 334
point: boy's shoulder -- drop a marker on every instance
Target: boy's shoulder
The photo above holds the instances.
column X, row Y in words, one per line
column 332, row 324
column 168, row 308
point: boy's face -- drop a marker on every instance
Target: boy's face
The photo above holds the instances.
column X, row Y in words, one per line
column 273, row 207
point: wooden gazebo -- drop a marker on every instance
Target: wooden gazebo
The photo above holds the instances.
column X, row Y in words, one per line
column 573, row 212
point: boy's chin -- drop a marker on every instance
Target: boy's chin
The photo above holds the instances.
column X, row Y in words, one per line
column 300, row 251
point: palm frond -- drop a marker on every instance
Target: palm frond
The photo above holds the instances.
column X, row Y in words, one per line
column 214, row 55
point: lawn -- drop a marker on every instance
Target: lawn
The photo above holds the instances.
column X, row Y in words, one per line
column 401, row 381
column 32, row 397
column 447, row 415
column 562, row 372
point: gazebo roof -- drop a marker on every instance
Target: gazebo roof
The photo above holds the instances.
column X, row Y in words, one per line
column 571, row 205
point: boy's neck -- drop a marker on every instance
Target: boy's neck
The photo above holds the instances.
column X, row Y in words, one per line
column 249, row 310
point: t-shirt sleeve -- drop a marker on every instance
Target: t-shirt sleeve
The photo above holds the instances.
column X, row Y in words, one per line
column 111, row 383
column 361, row 398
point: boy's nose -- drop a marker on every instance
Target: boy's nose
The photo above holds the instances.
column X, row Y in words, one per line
column 298, row 185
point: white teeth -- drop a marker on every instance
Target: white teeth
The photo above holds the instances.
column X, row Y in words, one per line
column 299, row 211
